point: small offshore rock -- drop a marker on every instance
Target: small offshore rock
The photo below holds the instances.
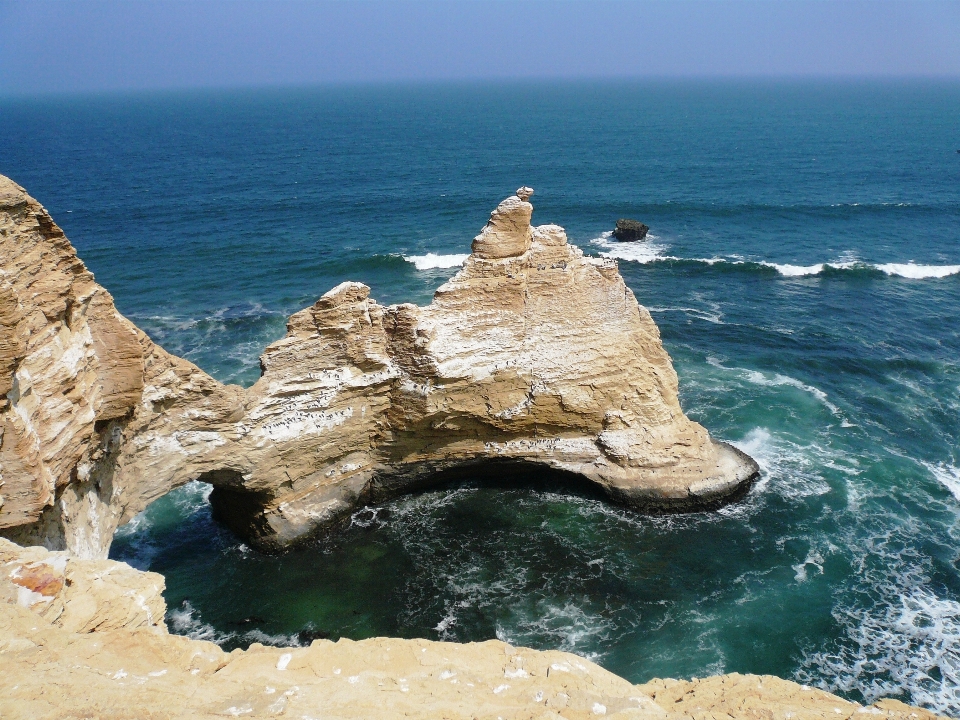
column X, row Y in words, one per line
column 630, row 230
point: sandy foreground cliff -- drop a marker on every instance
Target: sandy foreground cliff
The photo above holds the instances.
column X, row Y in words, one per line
column 86, row 639
column 533, row 358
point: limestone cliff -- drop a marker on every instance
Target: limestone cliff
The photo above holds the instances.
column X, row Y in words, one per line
column 82, row 639
column 532, row 356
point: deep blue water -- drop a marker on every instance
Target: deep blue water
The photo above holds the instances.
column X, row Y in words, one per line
column 805, row 274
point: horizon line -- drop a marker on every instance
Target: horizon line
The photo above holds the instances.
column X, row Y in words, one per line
column 482, row 81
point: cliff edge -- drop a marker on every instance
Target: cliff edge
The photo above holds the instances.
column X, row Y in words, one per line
column 84, row 639
column 533, row 356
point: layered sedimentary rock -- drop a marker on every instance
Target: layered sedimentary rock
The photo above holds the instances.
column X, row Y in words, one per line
column 81, row 639
column 532, row 356
column 79, row 383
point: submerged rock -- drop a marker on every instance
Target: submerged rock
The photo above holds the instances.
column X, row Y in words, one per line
column 531, row 356
column 630, row 230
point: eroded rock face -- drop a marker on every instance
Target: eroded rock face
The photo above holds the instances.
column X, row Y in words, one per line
column 531, row 356
column 110, row 657
column 80, row 595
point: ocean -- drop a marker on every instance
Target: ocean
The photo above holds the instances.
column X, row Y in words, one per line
column 803, row 268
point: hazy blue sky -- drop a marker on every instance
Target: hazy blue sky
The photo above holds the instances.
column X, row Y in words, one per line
column 79, row 45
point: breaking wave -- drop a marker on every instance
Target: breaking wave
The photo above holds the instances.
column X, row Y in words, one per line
column 432, row 261
column 644, row 252
column 651, row 251
column 946, row 475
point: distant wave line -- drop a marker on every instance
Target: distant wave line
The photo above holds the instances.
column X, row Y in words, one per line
column 649, row 253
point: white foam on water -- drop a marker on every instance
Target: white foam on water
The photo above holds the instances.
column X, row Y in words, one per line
column 277, row 640
column 192, row 497
column 911, row 644
column 185, row 620
column 141, row 550
column 432, row 261
column 847, row 261
column 568, row 627
column 757, row 377
column 715, row 317
column 796, row 270
column 813, row 560
column 646, row 252
column 137, row 534
column 946, row 475
column 906, row 270
column 792, row 470
column 641, row 251
column 919, row 272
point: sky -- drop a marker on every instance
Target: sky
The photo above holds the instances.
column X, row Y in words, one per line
column 52, row 46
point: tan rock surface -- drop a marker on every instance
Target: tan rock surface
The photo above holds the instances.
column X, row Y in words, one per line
column 125, row 665
column 532, row 356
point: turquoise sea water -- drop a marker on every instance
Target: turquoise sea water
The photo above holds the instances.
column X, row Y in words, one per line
column 804, row 269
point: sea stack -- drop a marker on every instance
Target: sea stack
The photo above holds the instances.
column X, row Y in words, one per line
column 533, row 356
column 630, row 230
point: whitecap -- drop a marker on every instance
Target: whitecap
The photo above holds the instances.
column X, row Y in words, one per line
column 909, row 270
column 814, row 559
column 568, row 627
column 847, row 262
column 642, row 252
column 796, row 270
column 715, row 317
column 432, row 261
column 278, row 640
column 919, row 272
column 792, row 470
column 946, row 475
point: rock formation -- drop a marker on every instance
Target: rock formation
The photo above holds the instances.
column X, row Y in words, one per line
column 532, row 356
column 630, row 230
column 82, row 639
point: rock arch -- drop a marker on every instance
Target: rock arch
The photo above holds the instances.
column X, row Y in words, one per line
column 532, row 353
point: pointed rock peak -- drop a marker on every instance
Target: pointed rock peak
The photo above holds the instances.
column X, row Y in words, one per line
column 508, row 232
column 11, row 194
column 344, row 294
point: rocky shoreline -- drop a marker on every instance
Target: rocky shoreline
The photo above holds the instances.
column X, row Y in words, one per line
column 86, row 639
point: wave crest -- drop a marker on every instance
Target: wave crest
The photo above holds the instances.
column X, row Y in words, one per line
column 650, row 251
column 433, row 261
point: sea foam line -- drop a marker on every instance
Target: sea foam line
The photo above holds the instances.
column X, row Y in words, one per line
column 910, row 270
column 757, row 377
column 647, row 252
